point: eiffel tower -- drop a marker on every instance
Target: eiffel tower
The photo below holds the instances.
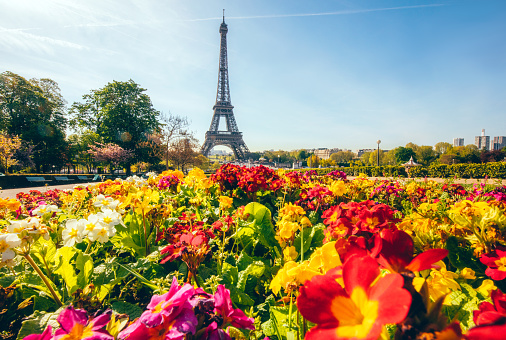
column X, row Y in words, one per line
column 223, row 108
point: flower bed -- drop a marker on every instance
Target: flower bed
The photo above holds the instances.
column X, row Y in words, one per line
column 254, row 254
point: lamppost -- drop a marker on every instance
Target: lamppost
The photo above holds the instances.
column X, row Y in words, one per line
column 378, row 152
column 278, row 161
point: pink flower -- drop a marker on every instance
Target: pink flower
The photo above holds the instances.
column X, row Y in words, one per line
column 168, row 329
column 169, row 305
column 223, row 307
column 75, row 324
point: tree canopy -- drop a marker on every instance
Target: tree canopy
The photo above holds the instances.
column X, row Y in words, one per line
column 120, row 112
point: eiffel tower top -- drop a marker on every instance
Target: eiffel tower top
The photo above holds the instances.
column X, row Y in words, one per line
column 223, row 92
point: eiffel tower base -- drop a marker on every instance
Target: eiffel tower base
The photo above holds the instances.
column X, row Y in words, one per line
column 231, row 139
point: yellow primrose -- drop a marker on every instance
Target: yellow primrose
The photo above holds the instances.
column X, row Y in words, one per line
column 468, row 274
column 325, row 258
column 487, row 286
column 338, row 188
column 225, row 202
column 197, row 179
column 282, row 279
column 290, row 254
column 291, row 211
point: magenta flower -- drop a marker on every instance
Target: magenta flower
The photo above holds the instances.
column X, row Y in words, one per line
column 169, row 329
column 75, row 324
column 169, row 305
column 223, row 307
column 46, row 335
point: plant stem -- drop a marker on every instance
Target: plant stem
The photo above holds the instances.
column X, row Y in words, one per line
column 44, row 278
column 88, row 247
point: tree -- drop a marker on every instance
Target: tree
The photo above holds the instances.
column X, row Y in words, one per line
column 8, row 147
column 341, row 157
column 425, row 154
column 35, row 111
column 442, row 147
column 120, row 113
column 402, row 155
column 183, row 152
column 111, row 154
column 492, row 156
column 171, row 127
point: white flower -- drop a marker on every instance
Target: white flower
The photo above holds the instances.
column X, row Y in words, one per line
column 73, row 232
column 109, row 217
column 101, row 233
column 30, row 224
column 7, row 242
column 105, row 202
column 44, row 208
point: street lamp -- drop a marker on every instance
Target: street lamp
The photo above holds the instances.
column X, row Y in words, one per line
column 278, row 161
column 378, row 151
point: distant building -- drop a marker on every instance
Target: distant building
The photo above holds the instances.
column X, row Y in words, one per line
column 458, row 141
column 499, row 143
column 322, row 153
column 362, row 151
column 482, row 142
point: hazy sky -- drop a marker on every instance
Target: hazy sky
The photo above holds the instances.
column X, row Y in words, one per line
column 303, row 74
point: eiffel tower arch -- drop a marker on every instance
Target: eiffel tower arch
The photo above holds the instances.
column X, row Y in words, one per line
column 231, row 137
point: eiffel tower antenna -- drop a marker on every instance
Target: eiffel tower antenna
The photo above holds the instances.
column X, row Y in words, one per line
column 223, row 108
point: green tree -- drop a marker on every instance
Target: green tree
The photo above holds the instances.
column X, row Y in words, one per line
column 119, row 113
column 425, row 154
column 442, row 147
column 342, row 157
column 402, row 154
column 36, row 111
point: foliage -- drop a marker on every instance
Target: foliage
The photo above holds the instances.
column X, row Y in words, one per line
column 8, row 147
column 120, row 112
column 35, row 111
column 252, row 252
column 111, row 154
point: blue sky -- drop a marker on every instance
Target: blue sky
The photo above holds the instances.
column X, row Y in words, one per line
column 303, row 74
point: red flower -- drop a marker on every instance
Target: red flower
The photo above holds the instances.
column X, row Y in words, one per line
column 397, row 253
column 360, row 309
column 490, row 319
column 496, row 263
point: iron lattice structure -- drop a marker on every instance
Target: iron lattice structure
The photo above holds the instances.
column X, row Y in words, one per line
column 230, row 137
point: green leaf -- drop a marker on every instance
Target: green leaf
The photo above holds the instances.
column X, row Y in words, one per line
column 65, row 269
column 84, row 264
column 260, row 217
column 37, row 322
column 121, row 307
column 45, row 252
column 255, row 269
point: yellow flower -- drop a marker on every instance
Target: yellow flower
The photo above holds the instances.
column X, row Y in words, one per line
column 197, row 179
column 338, row 188
column 225, row 202
column 486, row 288
column 325, row 258
column 290, row 254
column 468, row 274
column 291, row 211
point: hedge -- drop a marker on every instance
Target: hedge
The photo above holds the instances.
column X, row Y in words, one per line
column 464, row 170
